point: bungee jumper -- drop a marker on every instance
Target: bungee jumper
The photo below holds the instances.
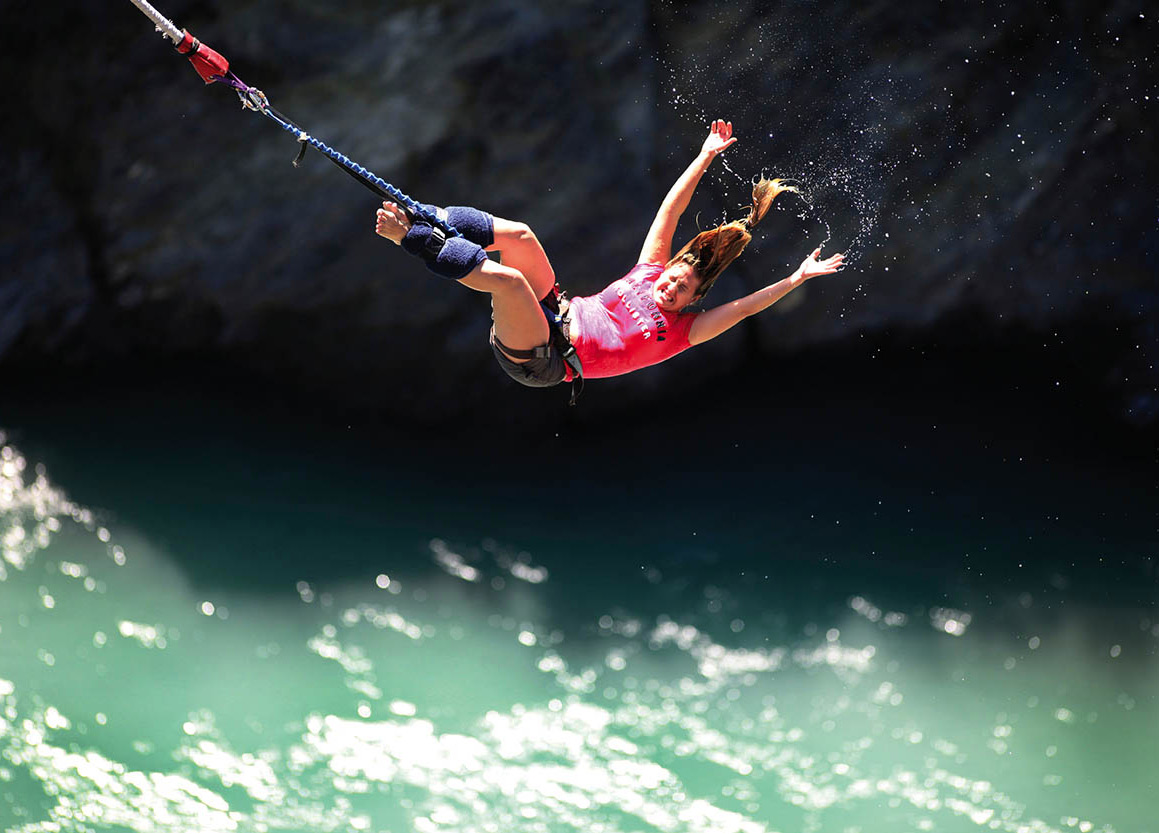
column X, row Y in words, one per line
column 539, row 337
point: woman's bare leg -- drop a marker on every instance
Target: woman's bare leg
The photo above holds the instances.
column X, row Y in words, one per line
column 519, row 320
column 522, row 250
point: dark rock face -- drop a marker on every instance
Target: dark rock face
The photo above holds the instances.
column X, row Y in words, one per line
column 995, row 165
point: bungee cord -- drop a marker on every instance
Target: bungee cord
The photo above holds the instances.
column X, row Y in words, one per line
column 212, row 66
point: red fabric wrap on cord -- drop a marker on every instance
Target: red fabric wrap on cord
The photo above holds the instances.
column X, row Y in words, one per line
column 210, row 65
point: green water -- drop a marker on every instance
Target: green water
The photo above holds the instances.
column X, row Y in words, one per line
column 211, row 620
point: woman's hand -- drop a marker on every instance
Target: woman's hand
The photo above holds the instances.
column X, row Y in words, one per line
column 719, row 137
column 811, row 267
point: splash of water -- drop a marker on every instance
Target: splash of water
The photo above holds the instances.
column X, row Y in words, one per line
column 841, row 175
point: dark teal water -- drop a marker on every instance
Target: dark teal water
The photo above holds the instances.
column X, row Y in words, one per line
column 836, row 613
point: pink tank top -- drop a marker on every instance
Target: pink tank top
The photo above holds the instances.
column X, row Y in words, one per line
column 622, row 329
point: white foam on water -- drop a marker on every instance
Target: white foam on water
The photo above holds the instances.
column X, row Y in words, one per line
column 558, row 767
column 32, row 511
column 452, row 562
column 632, row 722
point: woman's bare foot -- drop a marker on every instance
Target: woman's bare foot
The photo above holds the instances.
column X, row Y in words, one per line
column 391, row 222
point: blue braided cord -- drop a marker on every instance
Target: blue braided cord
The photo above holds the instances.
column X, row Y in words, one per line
column 343, row 160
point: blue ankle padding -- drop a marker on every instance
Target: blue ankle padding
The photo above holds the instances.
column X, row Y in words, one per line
column 455, row 259
column 475, row 225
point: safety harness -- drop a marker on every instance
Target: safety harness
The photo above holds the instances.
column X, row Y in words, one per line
column 555, row 308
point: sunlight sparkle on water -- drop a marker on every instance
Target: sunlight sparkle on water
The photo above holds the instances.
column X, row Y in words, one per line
column 466, row 705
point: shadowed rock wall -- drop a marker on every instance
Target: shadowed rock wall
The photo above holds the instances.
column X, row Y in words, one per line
column 1007, row 153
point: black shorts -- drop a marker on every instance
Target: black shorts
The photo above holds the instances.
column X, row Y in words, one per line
column 539, row 372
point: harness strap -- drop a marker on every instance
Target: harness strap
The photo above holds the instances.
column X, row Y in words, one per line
column 554, row 306
column 557, row 340
column 541, row 352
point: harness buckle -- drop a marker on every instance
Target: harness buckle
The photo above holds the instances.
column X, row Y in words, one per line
column 556, row 306
column 434, row 243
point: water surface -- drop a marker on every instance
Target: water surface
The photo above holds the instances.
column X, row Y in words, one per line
column 222, row 618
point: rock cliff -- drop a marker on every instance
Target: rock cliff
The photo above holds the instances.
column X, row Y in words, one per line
column 986, row 164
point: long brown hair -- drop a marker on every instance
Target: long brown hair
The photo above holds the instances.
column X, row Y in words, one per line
column 711, row 251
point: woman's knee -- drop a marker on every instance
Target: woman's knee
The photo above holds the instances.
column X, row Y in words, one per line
column 519, row 285
column 513, row 232
column 508, row 280
column 522, row 250
column 524, row 234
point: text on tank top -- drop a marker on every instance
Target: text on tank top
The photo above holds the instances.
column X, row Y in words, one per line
column 622, row 329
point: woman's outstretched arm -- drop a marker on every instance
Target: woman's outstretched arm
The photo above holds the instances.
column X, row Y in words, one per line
column 711, row 323
column 658, row 244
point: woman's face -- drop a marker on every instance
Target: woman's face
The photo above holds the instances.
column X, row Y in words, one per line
column 676, row 287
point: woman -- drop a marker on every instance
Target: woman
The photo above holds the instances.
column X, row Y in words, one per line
column 638, row 320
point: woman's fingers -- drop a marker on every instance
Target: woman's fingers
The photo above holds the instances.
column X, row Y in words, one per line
column 831, row 264
column 719, row 135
